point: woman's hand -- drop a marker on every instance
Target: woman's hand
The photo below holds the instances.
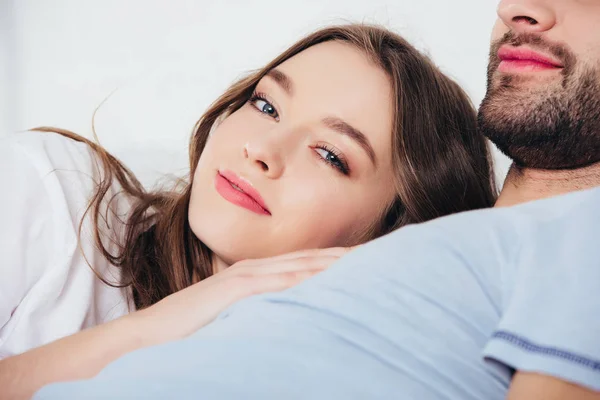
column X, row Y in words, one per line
column 84, row 354
column 188, row 310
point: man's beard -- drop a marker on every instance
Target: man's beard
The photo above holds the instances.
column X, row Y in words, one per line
column 549, row 126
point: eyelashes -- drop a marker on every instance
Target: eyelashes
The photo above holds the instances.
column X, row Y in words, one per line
column 326, row 153
column 333, row 157
column 262, row 104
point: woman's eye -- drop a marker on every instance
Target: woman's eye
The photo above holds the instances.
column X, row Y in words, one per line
column 265, row 107
column 332, row 159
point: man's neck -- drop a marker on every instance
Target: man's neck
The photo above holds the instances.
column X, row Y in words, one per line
column 523, row 185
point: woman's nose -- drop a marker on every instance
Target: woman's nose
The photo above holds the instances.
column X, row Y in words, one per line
column 265, row 156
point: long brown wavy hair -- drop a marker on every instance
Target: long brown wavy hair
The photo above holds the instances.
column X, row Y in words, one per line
column 441, row 164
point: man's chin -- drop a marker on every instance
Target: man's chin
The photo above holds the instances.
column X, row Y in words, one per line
column 542, row 122
column 531, row 150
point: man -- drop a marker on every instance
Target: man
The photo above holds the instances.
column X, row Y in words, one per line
column 542, row 107
column 482, row 305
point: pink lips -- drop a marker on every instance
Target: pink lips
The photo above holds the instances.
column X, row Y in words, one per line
column 513, row 59
column 240, row 192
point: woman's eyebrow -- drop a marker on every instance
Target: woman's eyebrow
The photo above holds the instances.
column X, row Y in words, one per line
column 333, row 123
column 341, row 126
column 282, row 80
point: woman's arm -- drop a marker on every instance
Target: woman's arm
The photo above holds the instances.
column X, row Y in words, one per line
column 79, row 356
column 86, row 353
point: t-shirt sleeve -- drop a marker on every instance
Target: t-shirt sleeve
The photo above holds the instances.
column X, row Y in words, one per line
column 26, row 227
column 551, row 318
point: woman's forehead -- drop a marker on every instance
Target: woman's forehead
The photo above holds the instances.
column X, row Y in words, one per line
column 337, row 62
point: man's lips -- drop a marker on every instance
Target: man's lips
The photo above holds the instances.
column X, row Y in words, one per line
column 240, row 192
column 518, row 59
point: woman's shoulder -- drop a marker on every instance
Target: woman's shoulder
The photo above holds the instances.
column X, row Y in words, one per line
column 49, row 151
column 47, row 287
column 69, row 170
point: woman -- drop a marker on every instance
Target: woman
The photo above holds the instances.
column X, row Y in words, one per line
column 349, row 134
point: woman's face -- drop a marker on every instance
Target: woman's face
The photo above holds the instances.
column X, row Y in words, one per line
column 306, row 163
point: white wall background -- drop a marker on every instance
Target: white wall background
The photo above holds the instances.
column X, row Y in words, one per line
column 169, row 59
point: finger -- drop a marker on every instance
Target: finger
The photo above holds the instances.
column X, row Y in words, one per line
column 331, row 251
column 292, row 265
column 274, row 282
column 283, row 266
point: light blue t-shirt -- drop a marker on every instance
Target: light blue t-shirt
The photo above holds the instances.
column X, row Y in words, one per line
column 442, row 310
